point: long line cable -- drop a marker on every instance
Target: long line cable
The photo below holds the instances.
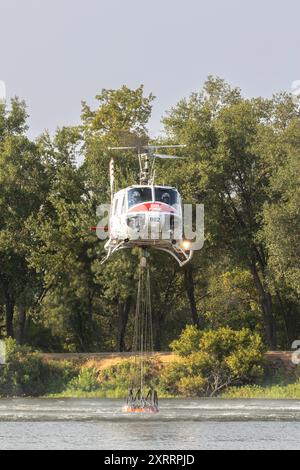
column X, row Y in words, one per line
column 143, row 329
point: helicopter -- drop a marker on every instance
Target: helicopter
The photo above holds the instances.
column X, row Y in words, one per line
column 147, row 215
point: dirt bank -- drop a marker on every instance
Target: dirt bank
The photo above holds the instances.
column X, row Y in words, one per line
column 277, row 359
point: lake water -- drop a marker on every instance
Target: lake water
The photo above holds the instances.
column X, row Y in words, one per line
column 181, row 424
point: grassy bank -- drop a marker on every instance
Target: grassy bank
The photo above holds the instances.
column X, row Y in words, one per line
column 118, row 393
column 275, row 392
column 203, row 365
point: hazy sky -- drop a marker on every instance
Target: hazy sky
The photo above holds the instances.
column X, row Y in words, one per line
column 55, row 53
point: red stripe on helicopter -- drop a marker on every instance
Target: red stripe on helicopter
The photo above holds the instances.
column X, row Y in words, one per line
column 152, row 207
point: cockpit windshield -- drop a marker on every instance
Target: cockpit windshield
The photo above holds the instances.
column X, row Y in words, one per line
column 167, row 196
column 139, row 196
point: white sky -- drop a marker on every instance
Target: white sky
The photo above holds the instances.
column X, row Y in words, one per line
column 55, row 53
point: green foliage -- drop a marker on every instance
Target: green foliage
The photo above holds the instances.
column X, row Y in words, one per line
column 241, row 162
column 232, row 300
column 124, row 375
column 26, row 374
column 235, row 147
column 282, row 224
column 238, row 360
column 23, row 183
column 86, row 381
column 275, row 392
column 120, row 111
column 213, row 360
column 113, row 381
column 188, row 342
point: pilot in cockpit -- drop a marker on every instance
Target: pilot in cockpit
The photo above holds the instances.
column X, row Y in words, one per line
column 166, row 198
column 136, row 197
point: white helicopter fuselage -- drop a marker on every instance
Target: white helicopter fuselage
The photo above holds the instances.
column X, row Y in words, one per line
column 146, row 215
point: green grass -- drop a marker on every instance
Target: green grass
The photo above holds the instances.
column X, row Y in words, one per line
column 101, row 393
column 276, row 392
column 117, row 393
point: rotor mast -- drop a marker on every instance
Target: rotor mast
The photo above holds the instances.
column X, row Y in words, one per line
column 147, row 156
column 146, row 171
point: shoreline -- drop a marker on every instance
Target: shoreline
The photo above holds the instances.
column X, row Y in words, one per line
column 252, row 392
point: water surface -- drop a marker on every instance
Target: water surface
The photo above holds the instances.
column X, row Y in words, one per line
column 181, row 424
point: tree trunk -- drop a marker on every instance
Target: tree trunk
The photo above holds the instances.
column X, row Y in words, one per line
column 124, row 310
column 21, row 324
column 267, row 308
column 9, row 313
column 290, row 314
column 190, row 290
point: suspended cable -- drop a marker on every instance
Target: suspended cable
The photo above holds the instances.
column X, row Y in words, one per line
column 138, row 399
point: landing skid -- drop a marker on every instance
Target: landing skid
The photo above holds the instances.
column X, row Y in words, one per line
column 186, row 255
column 182, row 257
column 111, row 249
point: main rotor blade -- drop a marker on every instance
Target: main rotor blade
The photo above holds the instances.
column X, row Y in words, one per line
column 121, row 148
column 153, row 147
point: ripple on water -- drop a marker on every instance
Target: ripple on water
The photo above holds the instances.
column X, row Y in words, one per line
column 181, row 424
column 170, row 410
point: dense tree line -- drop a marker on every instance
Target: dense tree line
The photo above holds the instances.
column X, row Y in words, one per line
column 242, row 161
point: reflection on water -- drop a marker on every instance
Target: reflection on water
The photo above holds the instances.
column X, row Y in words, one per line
column 181, row 424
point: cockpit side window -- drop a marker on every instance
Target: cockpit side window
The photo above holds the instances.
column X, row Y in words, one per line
column 139, row 196
column 123, row 209
column 116, row 206
column 167, row 196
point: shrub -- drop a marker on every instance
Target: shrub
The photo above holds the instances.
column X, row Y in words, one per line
column 190, row 386
column 86, row 381
column 214, row 360
column 124, row 375
column 26, row 374
column 59, row 375
column 188, row 342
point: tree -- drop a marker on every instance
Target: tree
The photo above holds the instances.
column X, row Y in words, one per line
column 241, row 161
column 231, row 300
column 22, row 187
column 211, row 361
column 62, row 250
column 85, row 302
column 234, row 144
column 281, row 233
column 120, row 119
column 121, row 113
